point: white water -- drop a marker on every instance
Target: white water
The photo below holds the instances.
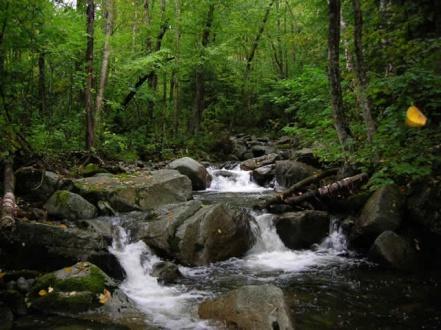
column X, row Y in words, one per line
column 169, row 307
column 237, row 181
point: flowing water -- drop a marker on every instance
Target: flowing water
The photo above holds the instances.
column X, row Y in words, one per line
column 328, row 286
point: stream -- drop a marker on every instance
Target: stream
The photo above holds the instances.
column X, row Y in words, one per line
column 327, row 287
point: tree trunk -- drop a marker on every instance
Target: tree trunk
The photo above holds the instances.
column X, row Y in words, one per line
column 175, row 78
column 340, row 121
column 90, row 113
column 42, row 82
column 199, row 100
column 7, row 221
column 360, row 71
column 108, row 7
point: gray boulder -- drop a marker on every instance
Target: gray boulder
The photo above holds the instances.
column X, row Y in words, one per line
column 144, row 190
column 261, row 150
column 166, row 272
column 394, row 251
column 263, row 175
column 250, row 307
column 37, row 184
column 299, row 230
column 198, row 235
column 289, row 172
column 382, row 212
column 200, row 178
column 67, row 205
column 252, row 164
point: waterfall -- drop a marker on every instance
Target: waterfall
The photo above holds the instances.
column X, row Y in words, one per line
column 235, row 180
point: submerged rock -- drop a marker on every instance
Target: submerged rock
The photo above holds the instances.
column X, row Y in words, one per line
column 47, row 247
column 167, row 272
column 195, row 171
column 143, row 191
column 382, row 212
column 250, row 307
column 394, row 251
column 67, row 205
column 299, row 230
column 289, row 172
column 198, row 235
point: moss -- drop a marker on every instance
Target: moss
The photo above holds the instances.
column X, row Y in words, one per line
column 66, row 302
column 94, row 281
column 91, row 169
column 62, row 197
column 44, row 282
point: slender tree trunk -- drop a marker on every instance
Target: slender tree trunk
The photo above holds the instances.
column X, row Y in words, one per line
column 7, row 220
column 90, row 115
column 42, row 83
column 199, row 101
column 175, row 78
column 360, row 71
column 340, row 121
column 105, row 64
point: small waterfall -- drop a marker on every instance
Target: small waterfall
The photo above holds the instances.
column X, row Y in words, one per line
column 168, row 307
column 336, row 241
column 235, row 180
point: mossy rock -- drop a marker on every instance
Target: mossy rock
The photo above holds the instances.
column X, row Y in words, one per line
column 68, row 205
column 90, row 170
column 83, row 276
column 72, row 302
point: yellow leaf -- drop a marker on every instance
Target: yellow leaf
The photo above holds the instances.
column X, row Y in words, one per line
column 42, row 293
column 105, row 296
column 415, row 118
column 68, row 269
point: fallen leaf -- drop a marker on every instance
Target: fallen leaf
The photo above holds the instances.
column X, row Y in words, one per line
column 68, row 269
column 105, row 296
column 50, row 289
column 42, row 293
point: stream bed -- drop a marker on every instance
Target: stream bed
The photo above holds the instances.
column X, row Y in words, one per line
column 326, row 287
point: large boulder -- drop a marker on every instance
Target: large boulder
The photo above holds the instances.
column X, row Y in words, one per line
column 67, row 205
column 252, row 164
column 200, row 178
column 263, row 175
column 47, row 247
column 383, row 211
column 394, row 251
column 424, row 205
column 289, row 172
column 198, row 235
column 144, row 190
column 74, row 289
column 299, row 230
column 250, row 307
column 38, row 184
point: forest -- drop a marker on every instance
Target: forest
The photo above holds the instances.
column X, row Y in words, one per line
column 316, row 122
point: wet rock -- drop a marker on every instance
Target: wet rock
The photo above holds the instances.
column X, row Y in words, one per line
column 252, row 164
column 36, row 184
column 262, row 150
column 263, row 175
column 250, row 307
column 23, row 285
column 47, row 247
column 394, row 251
column 289, row 172
column 299, row 230
column 306, row 155
column 6, row 318
column 71, row 289
column 198, row 235
column 166, row 272
column 144, row 190
column 195, row 171
column 424, row 205
column 382, row 212
column 67, row 205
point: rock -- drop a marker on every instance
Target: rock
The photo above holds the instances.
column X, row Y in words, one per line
column 71, row 289
column 394, row 251
column 252, row 164
column 424, row 205
column 143, row 190
column 263, row 175
column 47, row 247
column 196, row 172
column 306, row 155
column 250, row 307
column 383, row 211
column 36, row 184
column 91, row 169
column 262, row 150
column 15, row 301
column 289, row 172
column 198, row 235
column 67, row 205
column 6, row 318
column 166, row 272
column 299, row 230
column 23, row 285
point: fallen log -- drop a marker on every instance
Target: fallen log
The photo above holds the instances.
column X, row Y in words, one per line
column 299, row 185
column 7, row 220
column 336, row 187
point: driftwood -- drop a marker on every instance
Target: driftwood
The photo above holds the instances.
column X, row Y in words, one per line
column 7, row 220
column 299, row 185
column 330, row 189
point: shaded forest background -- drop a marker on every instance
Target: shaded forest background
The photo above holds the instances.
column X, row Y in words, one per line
column 166, row 78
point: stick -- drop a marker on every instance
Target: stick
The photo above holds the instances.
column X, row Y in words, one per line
column 7, row 220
